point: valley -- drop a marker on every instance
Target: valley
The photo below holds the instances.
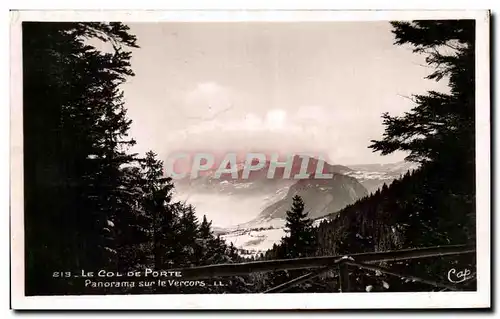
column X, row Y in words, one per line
column 250, row 213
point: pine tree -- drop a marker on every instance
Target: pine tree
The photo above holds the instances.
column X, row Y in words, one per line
column 205, row 239
column 89, row 203
column 157, row 207
column 75, row 126
column 205, row 228
column 433, row 205
column 188, row 235
column 441, row 126
column 300, row 242
column 440, row 133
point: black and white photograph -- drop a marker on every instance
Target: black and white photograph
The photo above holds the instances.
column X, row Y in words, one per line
column 309, row 158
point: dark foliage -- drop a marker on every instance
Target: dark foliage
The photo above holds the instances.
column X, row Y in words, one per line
column 89, row 204
column 434, row 205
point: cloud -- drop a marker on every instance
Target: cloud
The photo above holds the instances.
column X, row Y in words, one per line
column 312, row 112
column 273, row 130
column 251, row 122
column 276, row 119
column 206, row 100
column 317, row 129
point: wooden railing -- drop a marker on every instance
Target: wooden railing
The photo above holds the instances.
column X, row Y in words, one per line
column 320, row 265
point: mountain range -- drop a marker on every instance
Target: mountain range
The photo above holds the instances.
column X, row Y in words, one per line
column 373, row 176
column 251, row 212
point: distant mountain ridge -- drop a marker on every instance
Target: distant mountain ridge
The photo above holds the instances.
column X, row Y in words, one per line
column 374, row 176
column 321, row 196
column 356, row 182
column 257, row 181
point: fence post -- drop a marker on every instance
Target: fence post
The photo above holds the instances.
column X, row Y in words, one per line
column 343, row 277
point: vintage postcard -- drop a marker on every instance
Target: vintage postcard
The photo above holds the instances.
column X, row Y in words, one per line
column 250, row 159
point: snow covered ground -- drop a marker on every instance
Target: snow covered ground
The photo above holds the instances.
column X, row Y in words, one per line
column 254, row 242
column 256, row 237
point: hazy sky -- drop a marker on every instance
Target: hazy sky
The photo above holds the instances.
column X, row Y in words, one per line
column 289, row 87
